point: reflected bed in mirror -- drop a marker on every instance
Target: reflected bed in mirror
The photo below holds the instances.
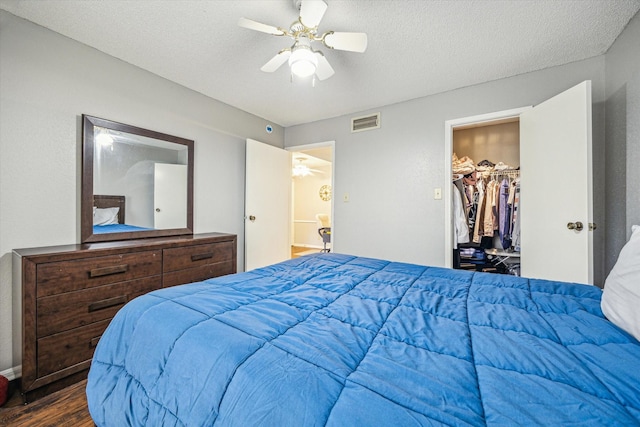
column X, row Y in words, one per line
column 136, row 183
column 109, row 215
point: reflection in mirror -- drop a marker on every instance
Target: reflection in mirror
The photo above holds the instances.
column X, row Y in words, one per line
column 136, row 182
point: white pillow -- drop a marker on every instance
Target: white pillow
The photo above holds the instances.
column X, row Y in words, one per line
column 105, row 216
column 621, row 295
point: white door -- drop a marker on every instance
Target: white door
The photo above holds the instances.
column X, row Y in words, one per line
column 556, row 182
column 169, row 196
column 267, row 205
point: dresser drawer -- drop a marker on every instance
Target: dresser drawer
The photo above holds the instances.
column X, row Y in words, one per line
column 197, row 274
column 67, row 276
column 196, row 256
column 58, row 313
column 60, row 351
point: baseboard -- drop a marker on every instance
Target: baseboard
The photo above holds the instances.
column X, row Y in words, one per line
column 12, row 373
column 304, row 245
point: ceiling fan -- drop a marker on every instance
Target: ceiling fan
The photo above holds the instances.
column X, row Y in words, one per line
column 302, row 170
column 304, row 60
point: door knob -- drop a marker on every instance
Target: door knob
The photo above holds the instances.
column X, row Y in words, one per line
column 157, row 209
column 575, row 226
column 252, row 218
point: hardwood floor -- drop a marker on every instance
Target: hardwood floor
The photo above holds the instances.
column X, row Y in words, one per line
column 67, row 407
column 297, row 251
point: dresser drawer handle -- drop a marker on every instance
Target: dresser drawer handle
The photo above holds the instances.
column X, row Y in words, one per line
column 106, row 303
column 199, row 257
column 106, row 271
column 94, row 341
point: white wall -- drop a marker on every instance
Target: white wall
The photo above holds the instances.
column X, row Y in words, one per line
column 47, row 81
column 390, row 173
column 623, row 139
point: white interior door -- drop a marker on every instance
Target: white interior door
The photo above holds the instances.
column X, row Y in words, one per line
column 556, row 182
column 169, row 196
column 267, row 205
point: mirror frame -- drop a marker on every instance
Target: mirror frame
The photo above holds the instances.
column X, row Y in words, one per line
column 86, row 210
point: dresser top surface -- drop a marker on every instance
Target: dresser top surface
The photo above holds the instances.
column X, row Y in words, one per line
column 150, row 243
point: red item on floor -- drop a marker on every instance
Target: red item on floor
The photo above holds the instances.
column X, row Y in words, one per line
column 4, row 390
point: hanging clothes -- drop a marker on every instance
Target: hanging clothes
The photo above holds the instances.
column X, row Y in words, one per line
column 488, row 196
column 479, row 224
column 460, row 225
column 490, row 221
column 516, row 218
column 504, row 214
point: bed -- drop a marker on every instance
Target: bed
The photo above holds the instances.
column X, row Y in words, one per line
column 109, row 214
column 339, row 340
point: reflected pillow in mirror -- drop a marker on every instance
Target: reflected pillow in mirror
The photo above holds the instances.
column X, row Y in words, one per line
column 105, row 216
column 621, row 294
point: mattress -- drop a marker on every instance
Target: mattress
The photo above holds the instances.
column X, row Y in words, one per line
column 338, row 340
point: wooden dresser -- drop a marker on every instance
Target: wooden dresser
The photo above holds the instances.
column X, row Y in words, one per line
column 70, row 294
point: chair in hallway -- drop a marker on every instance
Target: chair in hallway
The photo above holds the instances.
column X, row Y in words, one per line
column 324, row 231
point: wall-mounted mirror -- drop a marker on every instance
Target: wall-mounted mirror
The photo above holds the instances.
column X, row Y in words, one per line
column 136, row 183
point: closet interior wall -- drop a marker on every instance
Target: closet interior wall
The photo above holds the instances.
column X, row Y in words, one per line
column 498, row 142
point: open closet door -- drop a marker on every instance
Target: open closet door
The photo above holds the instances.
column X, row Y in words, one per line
column 556, row 181
column 267, row 205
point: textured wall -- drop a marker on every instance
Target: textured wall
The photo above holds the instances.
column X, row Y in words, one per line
column 622, row 155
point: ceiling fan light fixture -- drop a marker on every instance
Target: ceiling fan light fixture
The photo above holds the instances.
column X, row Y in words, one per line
column 303, row 62
column 301, row 170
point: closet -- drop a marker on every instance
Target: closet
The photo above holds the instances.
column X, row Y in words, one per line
column 555, row 159
column 486, row 196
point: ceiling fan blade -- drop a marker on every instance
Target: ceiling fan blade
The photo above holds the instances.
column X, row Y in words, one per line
column 258, row 26
column 275, row 62
column 324, row 69
column 311, row 12
column 353, row 42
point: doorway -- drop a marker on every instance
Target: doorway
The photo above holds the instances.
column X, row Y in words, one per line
column 486, row 176
column 462, row 124
column 312, row 198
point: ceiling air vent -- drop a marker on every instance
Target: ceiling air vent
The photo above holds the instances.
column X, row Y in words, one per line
column 358, row 124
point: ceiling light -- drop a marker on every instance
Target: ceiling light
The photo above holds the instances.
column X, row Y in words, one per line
column 105, row 140
column 301, row 170
column 303, row 61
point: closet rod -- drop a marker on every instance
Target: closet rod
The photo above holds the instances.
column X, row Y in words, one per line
column 510, row 172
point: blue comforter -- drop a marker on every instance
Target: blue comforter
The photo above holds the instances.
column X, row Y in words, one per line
column 117, row 228
column 344, row 341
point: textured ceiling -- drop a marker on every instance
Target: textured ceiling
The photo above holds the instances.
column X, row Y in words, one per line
column 416, row 47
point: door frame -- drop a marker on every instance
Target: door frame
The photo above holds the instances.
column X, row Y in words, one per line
column 449, row 127
column 302, row 148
